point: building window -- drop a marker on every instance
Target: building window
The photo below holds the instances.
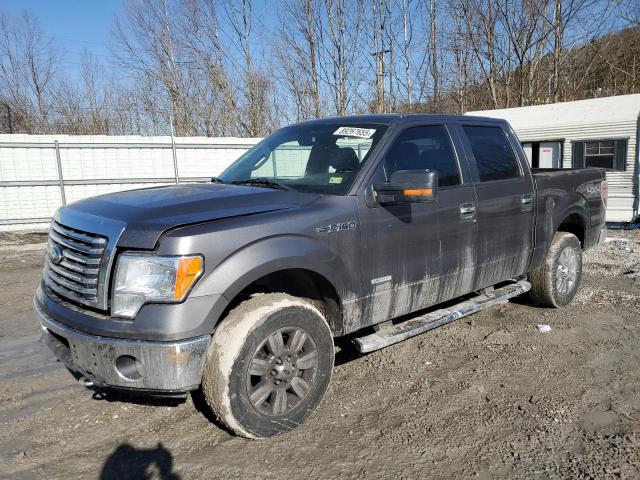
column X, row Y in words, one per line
column 600, row 154
column 609, row 154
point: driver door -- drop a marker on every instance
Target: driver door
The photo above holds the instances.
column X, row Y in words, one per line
column 415, row 255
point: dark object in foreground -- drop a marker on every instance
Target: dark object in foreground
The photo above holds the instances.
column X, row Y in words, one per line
column 128, row 462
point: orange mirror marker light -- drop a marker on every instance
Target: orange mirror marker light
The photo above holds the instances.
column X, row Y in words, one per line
column 418, row 191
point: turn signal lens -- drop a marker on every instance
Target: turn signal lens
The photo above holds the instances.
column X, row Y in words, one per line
column 189, row 269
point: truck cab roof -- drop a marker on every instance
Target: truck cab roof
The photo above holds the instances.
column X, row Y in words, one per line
column 391, row 118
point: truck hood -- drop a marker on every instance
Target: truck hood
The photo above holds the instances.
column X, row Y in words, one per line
column 140, row 217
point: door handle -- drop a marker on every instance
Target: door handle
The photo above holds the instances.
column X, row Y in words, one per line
column 526, row 202
column 468, row 211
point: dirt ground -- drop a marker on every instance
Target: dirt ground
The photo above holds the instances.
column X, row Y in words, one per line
column 488, row 396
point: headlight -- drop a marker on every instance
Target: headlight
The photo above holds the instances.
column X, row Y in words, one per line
column 149, row 278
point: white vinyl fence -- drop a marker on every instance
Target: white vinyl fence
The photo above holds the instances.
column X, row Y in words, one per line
column 39, row 173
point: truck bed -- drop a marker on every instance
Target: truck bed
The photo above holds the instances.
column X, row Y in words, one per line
column 562, row 194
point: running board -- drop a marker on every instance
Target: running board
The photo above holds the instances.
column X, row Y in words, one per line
column 397, row 333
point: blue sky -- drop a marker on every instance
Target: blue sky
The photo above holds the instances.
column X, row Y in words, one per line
column 79, row 25
column 75, row 24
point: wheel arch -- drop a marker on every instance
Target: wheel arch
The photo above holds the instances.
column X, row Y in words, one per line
column 295, row 265
column 297, row 282
column 576, row 224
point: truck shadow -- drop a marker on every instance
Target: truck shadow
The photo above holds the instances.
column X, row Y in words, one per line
column 113, row 395
column 346, row 351
column 200, row 404
column 128, row 462
column 525, row 300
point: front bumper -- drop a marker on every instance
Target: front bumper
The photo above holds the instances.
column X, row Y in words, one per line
column 133, row 364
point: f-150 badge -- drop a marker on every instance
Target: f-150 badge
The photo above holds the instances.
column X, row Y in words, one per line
column 337, row 227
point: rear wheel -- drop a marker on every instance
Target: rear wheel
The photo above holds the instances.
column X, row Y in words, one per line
column 269, row 365
column 555, row 283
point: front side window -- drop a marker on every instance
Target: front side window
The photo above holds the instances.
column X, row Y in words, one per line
column 320, row 158
column 494, row 156
column 425, row 148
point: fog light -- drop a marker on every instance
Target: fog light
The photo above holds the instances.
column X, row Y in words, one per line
column 128, row 367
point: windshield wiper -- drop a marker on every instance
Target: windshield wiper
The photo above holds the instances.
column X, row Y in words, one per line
column 216, row 180
column 261, row 182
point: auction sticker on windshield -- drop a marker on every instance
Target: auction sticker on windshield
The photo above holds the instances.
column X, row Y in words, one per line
column 355, row 132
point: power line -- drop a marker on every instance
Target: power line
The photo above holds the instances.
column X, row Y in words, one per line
column 91, row 54
column 14, row 105
column 75, row 40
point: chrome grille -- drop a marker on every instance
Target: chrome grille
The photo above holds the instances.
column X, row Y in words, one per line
column 72, row 265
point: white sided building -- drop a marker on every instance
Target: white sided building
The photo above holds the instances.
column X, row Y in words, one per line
column 600, row 132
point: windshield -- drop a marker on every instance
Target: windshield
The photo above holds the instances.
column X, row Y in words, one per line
column 319, row 158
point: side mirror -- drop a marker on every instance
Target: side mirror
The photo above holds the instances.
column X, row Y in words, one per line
column 413, row 186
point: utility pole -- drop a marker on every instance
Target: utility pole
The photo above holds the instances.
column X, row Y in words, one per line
column 174, row 152
column 170, row 91
column 380, row 74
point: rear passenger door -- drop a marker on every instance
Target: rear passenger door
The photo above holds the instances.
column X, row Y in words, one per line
column 504, row 205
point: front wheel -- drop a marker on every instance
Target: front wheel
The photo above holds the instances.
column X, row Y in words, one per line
column 269, row 365
column 555, row 283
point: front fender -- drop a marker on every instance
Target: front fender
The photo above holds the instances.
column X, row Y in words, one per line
column 274, row 254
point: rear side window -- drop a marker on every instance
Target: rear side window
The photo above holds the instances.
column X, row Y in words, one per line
column 425, row 148
column 493, row 153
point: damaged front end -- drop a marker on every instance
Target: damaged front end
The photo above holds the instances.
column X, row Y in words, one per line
column 123, row 363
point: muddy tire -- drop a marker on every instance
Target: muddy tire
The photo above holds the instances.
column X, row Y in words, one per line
column 555, row 283
column 269, row 365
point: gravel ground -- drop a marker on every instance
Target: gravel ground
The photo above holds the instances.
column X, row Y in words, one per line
column 488, row 396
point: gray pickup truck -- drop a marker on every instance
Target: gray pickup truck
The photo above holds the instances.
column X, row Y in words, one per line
column 362, row 226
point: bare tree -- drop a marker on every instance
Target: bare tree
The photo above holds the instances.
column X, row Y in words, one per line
column 300, row 27
column 240, row 18
column 406, row 17
column 526, row 31
column 460, row 48
column 630, row 12
column 379, row 24
column 482, row 30
column 338, row 51
column 212, row 67
column 28, row 70
column 145, row 48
